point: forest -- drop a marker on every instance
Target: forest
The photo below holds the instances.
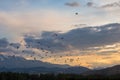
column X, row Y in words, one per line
column 26, row 76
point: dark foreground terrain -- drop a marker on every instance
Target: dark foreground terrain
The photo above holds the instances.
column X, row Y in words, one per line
column 24, row 76
column 110, row 73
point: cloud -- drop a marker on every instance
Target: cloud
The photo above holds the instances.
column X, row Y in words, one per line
column 105, row 1
column 80, row 38
column 110, row 5
column 15, row 45
column 91, row 60
column 4, row 46
column 46, row 43
column 104, row 4
column 19, row 22
column 35, row 21
column 82, row 41
column 72, row 4
column 3, row 43
column 7, row 48
column 90, row 4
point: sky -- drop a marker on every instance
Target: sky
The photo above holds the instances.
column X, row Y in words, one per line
column 74, row 32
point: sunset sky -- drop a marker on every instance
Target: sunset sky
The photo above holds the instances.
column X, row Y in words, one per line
column 74, row 32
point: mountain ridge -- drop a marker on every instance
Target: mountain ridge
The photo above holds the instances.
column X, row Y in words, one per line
column 19, row 64
column 114, row 70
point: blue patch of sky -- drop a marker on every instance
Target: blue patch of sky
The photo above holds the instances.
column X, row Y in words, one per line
column 7, row 5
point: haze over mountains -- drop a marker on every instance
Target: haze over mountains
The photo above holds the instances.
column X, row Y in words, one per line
column 19, row 64
column 59, row 39
column 114, row 70
column 101, row 44
column 87, row 38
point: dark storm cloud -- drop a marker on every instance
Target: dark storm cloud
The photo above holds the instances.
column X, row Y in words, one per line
column 80, row 38
column 72, row 4
column 47, row 42
column 115, row 4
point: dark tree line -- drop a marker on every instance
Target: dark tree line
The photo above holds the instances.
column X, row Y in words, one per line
column 25, row 76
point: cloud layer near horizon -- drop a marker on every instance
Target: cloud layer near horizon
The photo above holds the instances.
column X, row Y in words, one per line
column 80, row 38
column 52, row 29
column 98, row 41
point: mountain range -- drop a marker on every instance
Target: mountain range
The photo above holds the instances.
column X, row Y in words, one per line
column 19, row 64
column 114, row 70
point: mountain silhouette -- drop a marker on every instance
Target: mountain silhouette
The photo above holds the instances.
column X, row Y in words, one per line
column 19, row 64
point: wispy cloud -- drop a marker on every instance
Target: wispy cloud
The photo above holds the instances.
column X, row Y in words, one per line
column 90, row 4
column 36, row 19
column 72, row 4
column 111, row 5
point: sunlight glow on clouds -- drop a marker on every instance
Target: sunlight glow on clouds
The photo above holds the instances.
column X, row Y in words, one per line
column 26, row 22
column 91, row 60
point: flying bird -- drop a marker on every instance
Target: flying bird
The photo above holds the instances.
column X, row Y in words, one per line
column 34, row 58
column 76, row 13
column 17, row 47
column 23, row 51
column 62, row 38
